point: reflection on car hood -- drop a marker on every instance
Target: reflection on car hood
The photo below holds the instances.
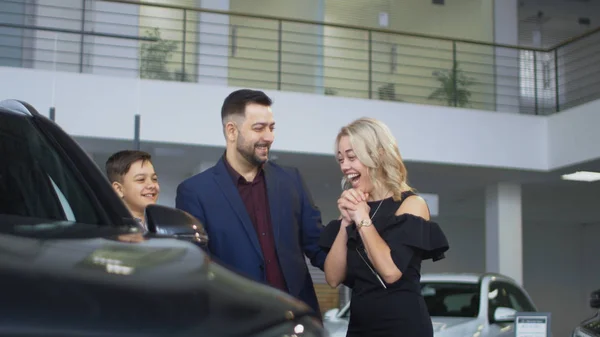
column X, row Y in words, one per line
column 336, row 328
column 445, row 323
column 156, row 287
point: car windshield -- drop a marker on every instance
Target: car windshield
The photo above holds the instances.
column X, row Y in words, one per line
column 451, row 299
column 38, row 189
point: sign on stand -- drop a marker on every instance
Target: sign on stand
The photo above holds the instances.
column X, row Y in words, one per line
column 532, row 324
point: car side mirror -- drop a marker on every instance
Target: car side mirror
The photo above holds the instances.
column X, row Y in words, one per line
column 595, row 299
column 164, row 221
column 331, row 314
column 504, row 315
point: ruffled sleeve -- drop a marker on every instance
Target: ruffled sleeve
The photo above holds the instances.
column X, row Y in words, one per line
column 406, row 234
column 329, row 234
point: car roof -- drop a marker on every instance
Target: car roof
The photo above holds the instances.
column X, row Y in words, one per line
column 17, row 107
column 462, row 277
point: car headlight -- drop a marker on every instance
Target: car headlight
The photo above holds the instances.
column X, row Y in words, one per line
column 578, row 333
column 305, row 326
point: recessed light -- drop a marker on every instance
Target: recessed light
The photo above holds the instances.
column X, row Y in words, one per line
column 582, row 176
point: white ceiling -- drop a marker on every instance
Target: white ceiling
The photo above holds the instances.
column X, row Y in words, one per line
column 559, row 20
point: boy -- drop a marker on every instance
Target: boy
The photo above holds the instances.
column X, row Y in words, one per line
column 133, row 178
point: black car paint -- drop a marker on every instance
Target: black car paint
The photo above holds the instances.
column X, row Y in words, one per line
column 62, row 285
column 591, row 326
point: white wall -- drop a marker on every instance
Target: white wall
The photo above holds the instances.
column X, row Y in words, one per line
column 106, row 55
column 172, row 112
column 101, row 55
column 573, row 135
column 57, row 49
column 579, row 65
column 506, row 60
column 98, row 106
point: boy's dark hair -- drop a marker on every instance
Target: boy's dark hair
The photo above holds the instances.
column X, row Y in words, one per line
column 235, row 103
column 120, row 162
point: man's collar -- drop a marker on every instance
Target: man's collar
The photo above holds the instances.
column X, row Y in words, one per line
column 235, row 175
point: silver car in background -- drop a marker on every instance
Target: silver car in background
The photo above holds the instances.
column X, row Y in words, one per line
column 482, row 305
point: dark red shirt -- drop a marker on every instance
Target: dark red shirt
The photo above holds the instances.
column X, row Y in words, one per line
column 254, row 196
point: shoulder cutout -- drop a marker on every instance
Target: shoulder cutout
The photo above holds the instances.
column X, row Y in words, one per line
column 414, row 205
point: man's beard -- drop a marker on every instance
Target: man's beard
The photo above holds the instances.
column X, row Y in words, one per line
column 249, row 153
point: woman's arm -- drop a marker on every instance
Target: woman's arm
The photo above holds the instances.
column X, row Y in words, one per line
column 335, row 263
column 378, row 250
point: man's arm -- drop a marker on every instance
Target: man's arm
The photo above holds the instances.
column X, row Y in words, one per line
column 186, row 200
column 311, row 227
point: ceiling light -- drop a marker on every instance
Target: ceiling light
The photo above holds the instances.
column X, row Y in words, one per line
column 582, row 176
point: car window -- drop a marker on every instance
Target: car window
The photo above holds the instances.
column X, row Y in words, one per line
column 451, row 299
column 496, row 298
column 35, row 181
column 517, row 299
column 502, row 294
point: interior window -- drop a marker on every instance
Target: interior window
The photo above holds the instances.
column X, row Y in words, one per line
column 35, row 181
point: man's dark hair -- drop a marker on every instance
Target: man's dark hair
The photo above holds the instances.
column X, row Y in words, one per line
column 120, row 162
column 236, row 102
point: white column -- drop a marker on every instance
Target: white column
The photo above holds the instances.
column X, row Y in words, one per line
column 503, row 230
column 213, row 43
column 433, row 203
column 320, row 71
column 506, row 31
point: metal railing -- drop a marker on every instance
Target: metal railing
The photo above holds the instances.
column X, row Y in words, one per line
column 154, row 41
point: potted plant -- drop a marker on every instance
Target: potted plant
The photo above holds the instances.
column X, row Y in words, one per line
column 387, row 92
column 453, row 87
column 154, row 57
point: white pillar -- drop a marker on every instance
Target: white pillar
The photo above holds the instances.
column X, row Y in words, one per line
column 213, row 43
column 503, row 230
column 320, row 71
column 506, row 31
column 433, row 203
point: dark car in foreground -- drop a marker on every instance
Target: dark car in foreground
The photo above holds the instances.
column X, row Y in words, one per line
column 590, row 327
column 74, row 262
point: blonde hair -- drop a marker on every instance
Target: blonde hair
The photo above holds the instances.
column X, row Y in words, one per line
column 377, row 149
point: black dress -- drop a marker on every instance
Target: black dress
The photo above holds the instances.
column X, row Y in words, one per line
column 399, row 309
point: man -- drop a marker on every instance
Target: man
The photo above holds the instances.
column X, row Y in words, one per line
column 133, row 178
column 260, row 218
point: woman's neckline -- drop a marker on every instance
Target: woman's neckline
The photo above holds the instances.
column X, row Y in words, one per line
column 388, row 198
column 380, row 200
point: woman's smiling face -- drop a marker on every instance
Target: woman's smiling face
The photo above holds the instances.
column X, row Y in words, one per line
column 354, row 171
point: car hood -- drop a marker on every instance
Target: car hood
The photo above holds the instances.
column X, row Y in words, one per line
column 155, row 287
column 441, row 324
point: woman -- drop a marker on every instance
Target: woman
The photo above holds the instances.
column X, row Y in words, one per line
column 384, row 232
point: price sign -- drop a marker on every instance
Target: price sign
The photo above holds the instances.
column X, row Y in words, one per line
column 532, row 324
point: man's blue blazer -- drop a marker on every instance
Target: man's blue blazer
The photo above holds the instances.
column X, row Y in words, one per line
column 212, row 197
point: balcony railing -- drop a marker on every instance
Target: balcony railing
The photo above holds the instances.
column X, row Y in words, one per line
column 173, row 43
